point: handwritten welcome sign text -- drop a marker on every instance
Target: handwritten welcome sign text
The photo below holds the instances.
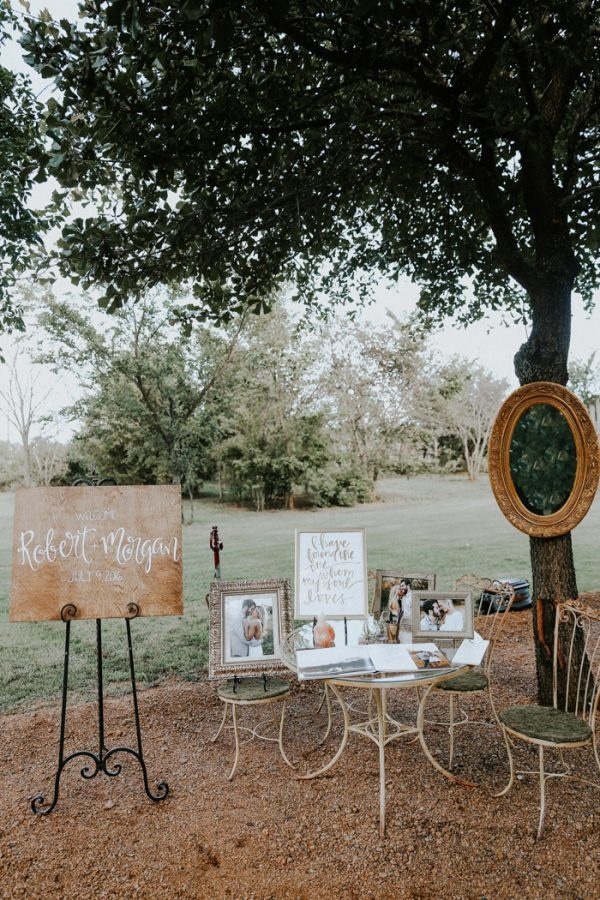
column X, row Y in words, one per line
column 98, row 548
column 330, row 574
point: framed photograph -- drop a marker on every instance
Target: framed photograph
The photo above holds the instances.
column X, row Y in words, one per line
column 331, row 574
column 447, row 615
column 248, row 622
column 398, row 587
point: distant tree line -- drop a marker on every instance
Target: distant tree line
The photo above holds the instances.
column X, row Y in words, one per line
column 275, row 413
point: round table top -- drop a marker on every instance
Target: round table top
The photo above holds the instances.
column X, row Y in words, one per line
column 354, row 633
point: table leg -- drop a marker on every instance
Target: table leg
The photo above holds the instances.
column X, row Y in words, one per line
column 343, row 743
column 426, row 751
column 237, row 741
column 328, row 708
column 380, row 702
column 325, row 702
column 281, row 750
column 222, row 725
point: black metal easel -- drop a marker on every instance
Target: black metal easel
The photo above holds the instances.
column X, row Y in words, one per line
column 102, row 761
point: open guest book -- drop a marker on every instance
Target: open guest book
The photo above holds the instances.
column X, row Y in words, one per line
column 337, row 662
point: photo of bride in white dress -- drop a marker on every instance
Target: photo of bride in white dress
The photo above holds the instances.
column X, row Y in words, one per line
column 249, row 625
column 253, row 630
column 248, row 622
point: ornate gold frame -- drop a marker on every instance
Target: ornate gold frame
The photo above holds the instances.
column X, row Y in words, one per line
column 222, row 593
column 588, row 461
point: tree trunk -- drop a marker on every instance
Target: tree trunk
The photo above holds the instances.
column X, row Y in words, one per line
column 544, row 358
column 553, row 573
column 471, row 460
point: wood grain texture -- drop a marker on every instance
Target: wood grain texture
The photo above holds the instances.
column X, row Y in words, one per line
column 98, row 548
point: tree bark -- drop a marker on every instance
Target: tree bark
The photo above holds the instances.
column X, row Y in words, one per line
column 544, row 358
column 553, row 581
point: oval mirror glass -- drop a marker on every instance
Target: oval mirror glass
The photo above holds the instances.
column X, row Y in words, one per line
column 543, row 459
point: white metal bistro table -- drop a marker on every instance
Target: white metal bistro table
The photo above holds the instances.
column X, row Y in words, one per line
column 380, row 728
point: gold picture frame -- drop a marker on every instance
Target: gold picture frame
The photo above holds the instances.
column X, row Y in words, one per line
column 583, row 459
column 237, row 645
column 386, row 581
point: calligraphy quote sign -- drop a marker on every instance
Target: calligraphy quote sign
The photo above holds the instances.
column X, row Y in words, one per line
column 331, row 574
column 98, row 548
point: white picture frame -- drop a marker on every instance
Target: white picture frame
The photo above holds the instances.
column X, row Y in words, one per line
column 331, row 574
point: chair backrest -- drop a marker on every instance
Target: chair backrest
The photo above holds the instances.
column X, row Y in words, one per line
column 492, row 601
column 473, row 583
column 576, row 659
column 490, row 617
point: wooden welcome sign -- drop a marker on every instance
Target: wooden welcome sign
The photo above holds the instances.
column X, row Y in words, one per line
column 98, row 548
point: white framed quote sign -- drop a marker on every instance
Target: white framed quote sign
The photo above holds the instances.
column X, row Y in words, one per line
column 331, row 574
column 99, row 549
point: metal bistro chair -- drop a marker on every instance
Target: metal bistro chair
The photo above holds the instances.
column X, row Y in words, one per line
column 489, row 622
column 570, row 721
column 253, row 691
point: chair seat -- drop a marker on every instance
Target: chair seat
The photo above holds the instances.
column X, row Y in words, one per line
column 473, row 680
column 544, row 723
column 251, row 689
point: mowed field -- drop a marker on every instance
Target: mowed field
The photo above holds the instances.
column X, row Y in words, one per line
column 443, row 525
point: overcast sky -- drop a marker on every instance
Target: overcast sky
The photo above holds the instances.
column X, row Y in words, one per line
column 489, row 342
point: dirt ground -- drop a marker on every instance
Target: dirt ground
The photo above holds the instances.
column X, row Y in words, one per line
column 267, row 834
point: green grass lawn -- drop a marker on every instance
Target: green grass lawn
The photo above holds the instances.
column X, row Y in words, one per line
column 426, row 524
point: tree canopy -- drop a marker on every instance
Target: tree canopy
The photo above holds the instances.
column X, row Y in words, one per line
column 149, row 407
column 244, row 144
column 21, row 161
column 274, row 411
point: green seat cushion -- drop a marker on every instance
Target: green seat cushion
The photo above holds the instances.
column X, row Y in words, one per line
column 249, row 688
column 544, row 723
column 473, row 680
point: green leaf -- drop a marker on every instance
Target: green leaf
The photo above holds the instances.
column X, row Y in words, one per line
column 194, row 9
column 115, row 13
column 223, row 30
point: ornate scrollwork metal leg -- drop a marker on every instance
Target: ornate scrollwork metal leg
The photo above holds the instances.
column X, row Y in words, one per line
column 343, row 743
column 38, row 806
column 380, row 700
column 511, row 763
column 237, row 742
column 103, row 760
column 223, row 720
column 542, row 791
column 281, row 750
column 162, row 786
column 426, row 751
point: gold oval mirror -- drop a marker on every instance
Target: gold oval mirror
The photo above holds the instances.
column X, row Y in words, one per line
column 543, row 459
